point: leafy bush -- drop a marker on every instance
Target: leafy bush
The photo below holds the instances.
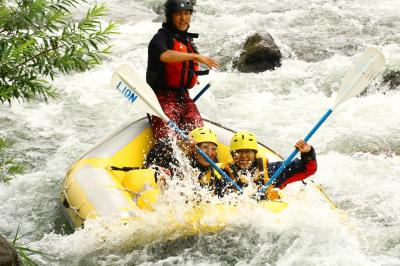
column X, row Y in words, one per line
column 39, row 39
column 8, row 166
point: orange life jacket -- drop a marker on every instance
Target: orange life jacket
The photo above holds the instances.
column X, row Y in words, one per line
column 182, row 74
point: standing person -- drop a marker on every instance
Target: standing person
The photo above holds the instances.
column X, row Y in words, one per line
column 247, row 167
column 172, row 69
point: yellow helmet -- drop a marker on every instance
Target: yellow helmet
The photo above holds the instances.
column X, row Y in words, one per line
column 244, row 140
column 203, row 134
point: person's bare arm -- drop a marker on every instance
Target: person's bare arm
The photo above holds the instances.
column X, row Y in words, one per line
column 175, row 56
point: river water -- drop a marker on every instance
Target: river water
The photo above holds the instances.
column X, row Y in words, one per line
column 358, row 148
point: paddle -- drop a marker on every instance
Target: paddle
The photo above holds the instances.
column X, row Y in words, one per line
column 316, row 186
column 137, row 91
column 203, row 90
column 370, row 63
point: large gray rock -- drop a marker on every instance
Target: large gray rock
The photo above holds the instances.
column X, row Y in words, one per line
column 8, row 255
column 260, row 53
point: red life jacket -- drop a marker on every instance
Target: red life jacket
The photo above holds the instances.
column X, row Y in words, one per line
column 181, row 74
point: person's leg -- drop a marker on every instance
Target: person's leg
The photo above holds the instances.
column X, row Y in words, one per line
column 190, row 116
column 161, row 154
column 160, row 128
column 169, row 104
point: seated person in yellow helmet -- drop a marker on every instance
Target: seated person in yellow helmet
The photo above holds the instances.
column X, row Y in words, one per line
column 244, row 150
column 207, row 141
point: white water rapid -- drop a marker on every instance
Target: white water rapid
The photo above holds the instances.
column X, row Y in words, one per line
column 358, row 148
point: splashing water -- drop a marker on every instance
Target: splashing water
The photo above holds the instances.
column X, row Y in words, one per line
column 357, row 148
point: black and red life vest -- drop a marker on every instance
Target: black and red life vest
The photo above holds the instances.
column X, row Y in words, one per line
column 174, row 76
column 182, row 74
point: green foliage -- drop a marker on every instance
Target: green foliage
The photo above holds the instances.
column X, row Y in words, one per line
column 8, row 167
column 24, row 252
column 39, row 39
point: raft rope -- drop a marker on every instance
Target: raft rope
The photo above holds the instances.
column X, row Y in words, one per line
column 322, row 192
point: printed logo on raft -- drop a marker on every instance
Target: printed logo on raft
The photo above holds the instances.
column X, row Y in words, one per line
column 127, row 92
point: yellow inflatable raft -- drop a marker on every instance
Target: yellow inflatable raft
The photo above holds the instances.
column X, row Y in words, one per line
column 92, row 188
